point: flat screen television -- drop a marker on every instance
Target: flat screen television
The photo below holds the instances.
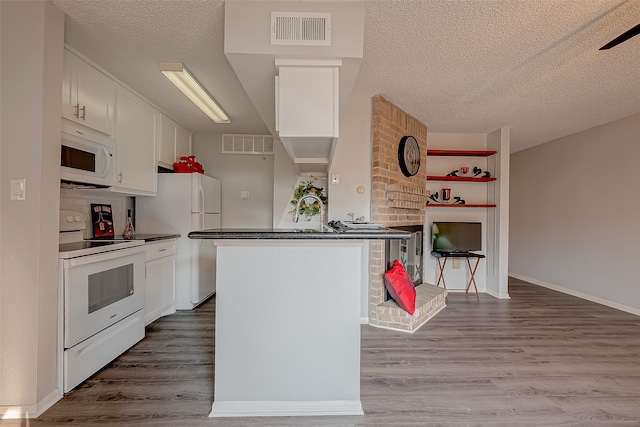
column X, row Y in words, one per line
column 456, row 237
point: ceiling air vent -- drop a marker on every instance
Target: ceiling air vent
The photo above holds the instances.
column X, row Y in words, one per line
column 301, row 28
column 247, row 144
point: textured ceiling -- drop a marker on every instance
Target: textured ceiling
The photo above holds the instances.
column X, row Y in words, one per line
column 458, row 66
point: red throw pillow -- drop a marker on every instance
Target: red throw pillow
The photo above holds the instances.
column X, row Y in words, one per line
column 401, row 287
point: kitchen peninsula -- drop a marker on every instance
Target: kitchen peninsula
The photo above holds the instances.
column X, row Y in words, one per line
column 288, row 320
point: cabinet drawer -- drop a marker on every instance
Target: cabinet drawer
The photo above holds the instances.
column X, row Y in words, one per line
column 155, row 250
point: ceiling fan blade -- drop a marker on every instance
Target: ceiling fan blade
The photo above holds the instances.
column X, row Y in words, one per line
column 622, row 38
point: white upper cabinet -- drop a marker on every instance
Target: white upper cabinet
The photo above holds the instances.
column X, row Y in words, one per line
column 183, row 142
column 307, row 100
column 307, row 107
column 167, row 142
column 88, row 96
column 135, row 136
column 174, row 141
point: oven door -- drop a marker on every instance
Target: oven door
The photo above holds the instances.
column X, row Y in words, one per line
column 100, row 290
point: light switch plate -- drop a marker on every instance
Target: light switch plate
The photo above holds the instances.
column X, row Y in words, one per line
column 18, row 188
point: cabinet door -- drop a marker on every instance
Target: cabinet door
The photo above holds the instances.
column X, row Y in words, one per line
column 167, row 142
column 96, row 97
column 136, row 170
column 159, row 287
column 88, row 96
column 69, row 88
column 183, row 142
column 307, row 101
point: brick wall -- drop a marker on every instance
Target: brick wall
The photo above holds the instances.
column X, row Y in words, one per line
column 395, row 198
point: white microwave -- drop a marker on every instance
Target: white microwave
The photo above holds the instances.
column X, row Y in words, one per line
column 87, row 156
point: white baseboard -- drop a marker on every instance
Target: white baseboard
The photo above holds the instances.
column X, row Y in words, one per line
column 498, row 295
column 30, row 411
column 578, row 294
column 285, row 408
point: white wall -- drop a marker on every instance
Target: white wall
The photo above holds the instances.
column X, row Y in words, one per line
column 238, row 172
column 497, row 243
column 352, row 161
column 285, row 177
column 574, row 214
column 31, row 74
column 80, row 200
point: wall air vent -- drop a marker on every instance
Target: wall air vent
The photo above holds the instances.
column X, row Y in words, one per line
column 300, row 29
column 247, row 144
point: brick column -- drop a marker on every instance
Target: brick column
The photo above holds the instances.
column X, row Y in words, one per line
column 388, row 184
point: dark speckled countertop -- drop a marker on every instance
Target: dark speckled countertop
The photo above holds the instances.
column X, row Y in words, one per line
column 300, row 234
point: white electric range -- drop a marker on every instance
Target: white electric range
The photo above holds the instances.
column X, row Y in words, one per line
column 101, row 310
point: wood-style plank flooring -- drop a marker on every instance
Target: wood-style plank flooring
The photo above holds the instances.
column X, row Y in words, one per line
column 542, row 358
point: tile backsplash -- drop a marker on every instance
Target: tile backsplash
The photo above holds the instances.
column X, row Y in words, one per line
column 80, row 200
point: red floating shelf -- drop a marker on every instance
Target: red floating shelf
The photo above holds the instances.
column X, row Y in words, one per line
column 458, row 178
column 451, row 205
column 462, row 153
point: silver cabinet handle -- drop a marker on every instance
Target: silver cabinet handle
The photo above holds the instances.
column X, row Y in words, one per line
column 120, row 177
column 84, row 108
column 77, row 108
column 162, row 250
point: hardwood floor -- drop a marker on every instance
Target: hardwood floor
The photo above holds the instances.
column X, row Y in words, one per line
column 541, row 358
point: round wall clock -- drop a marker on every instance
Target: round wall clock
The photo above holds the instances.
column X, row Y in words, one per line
column 409, row 156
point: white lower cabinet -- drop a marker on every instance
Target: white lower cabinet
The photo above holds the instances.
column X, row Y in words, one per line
column 160, row 279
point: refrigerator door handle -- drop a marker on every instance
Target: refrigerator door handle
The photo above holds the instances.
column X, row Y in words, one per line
column 201, row 207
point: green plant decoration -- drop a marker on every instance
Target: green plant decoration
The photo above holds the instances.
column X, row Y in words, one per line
column 313, row 207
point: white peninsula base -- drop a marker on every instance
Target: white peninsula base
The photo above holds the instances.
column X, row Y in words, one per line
column 287, row 328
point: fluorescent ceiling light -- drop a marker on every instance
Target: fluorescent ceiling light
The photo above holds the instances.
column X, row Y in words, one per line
column 182, row 78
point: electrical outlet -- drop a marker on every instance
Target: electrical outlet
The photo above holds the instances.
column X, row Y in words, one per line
column 456, row 263
column 244, row 195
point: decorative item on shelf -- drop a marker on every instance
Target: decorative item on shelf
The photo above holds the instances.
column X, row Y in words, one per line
column 478, row 172
column 446, row 195
column 463, row 170
column 457, row 200
column 188, row 164
column 102, row 220
column 304, row 189
column 129, row 232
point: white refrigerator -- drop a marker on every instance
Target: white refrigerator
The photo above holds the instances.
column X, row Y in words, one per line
column 185, row 202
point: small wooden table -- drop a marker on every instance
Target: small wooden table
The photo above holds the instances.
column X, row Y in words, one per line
column 472, row 270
